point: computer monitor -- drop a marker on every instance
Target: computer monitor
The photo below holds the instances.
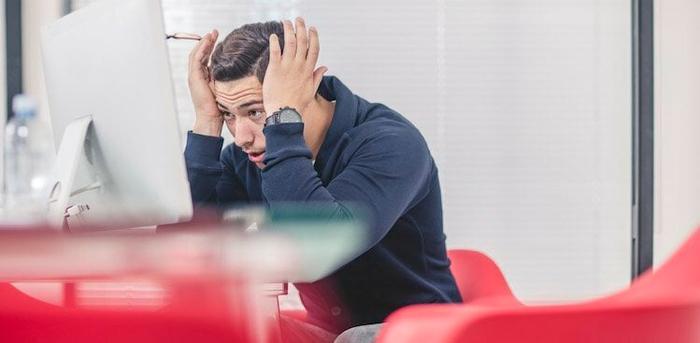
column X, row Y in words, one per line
column 112, row 107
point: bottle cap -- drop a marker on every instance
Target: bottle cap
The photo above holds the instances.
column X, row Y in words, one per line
column 23, row 106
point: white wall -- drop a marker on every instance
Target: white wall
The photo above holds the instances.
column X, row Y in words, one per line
column 677, row 124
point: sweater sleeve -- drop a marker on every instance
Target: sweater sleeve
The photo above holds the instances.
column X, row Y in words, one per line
column 384, row 175
column 212, row 181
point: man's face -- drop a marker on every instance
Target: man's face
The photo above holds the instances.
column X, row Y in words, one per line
column 240, row 101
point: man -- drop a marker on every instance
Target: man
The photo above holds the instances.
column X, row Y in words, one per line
column 303, row 137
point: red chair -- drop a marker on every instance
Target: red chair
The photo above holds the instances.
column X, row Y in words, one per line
column 479, row 279
column 661, row 306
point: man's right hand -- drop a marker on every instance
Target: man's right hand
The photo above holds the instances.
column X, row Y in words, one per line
column 209, row 120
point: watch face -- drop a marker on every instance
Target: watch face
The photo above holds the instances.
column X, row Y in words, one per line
column 289, row 115
column 285, row 115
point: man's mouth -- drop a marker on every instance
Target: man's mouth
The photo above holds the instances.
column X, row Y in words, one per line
column 256, row 157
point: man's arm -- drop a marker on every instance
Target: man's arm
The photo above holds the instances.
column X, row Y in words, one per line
column 385, row 175
column 212, row 181
column 208, row 118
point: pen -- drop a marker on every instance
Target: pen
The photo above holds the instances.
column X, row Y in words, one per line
column 183, row 35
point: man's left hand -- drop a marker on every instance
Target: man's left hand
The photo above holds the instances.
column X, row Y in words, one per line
column 291, row 78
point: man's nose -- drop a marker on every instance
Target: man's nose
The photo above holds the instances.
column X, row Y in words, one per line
column 245, row 135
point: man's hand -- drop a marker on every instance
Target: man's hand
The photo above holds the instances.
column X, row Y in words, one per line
column 209, row 120
column 290, row 79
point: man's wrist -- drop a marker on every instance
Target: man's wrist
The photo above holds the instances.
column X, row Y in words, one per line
column 203, row 150
column 270, row 110
column 284, row 115
column 208, row 127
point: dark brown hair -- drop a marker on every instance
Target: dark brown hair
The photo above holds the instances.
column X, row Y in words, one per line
column 245, row 51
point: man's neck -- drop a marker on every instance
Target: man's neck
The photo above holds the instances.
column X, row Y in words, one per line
column 317, row 120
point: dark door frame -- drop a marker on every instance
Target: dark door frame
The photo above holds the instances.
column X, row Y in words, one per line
column 13, row 51
column 642, row 136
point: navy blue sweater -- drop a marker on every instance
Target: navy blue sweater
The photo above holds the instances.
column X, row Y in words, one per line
column 372, row 156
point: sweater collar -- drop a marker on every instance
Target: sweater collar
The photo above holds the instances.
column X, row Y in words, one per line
column 345, row 115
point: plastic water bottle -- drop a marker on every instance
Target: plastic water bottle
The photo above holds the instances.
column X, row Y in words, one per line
column 28, row 159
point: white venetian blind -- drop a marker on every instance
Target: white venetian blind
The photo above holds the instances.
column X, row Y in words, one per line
column 525, row 105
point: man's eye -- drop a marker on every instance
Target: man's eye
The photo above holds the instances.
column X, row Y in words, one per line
column 256, row 114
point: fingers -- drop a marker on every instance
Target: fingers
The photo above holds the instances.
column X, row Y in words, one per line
column 275, row 50
column 302, row 40
column 196, row 51
column 208, row 46
column 318, row 77
column 290, row 42
column 200, row 54
column 314, row 49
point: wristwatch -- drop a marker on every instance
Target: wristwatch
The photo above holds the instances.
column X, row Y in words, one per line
column 284, row 115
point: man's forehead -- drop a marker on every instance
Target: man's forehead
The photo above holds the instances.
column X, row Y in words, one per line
column 235, row 91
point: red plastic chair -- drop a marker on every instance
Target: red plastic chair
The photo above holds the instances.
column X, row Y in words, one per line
column 661, row 306
column 479, row 279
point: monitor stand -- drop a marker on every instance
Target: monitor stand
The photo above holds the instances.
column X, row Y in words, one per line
column 73, row 173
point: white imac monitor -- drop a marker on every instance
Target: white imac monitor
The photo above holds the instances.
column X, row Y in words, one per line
column 111, row 99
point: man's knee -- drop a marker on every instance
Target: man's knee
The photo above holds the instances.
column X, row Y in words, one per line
column 359, row 334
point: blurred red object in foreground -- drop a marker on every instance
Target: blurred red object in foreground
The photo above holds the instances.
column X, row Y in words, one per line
column 660, row 306
column 189, row 319
column 205, row 280
column 210, row 294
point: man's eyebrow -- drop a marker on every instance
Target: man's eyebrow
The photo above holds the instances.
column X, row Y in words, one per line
column 221, row 107
column 250, row 103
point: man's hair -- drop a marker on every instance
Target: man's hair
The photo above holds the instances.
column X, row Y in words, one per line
column 245, row 52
